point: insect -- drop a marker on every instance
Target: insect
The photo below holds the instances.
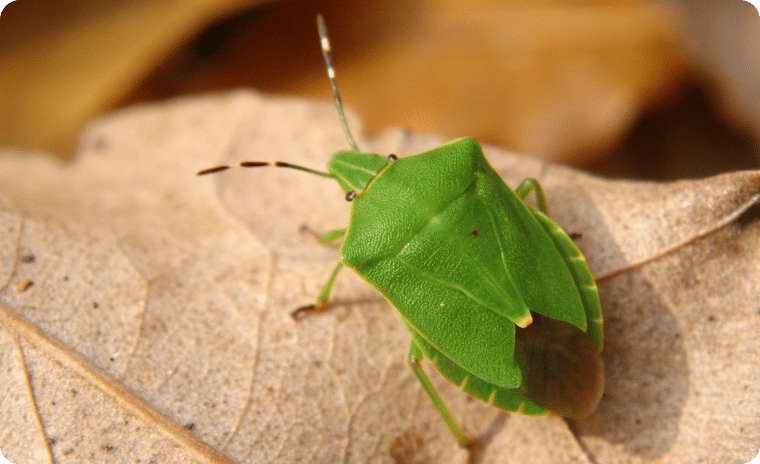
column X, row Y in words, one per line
column 494, row 293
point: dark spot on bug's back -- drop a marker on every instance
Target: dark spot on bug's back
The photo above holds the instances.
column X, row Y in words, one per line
column 27, row 258
column 95, row 305
column 711, row 318
column 190, row 425
column 474, row 233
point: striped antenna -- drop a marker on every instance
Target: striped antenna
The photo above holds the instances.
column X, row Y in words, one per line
column 258, row 164
column 324, row 40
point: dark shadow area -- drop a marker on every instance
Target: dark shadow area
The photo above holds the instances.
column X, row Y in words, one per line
column 647, row 371
column 682, row 138
column 281, row 46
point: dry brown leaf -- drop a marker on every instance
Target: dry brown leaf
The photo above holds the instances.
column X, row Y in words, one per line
column 145, row 311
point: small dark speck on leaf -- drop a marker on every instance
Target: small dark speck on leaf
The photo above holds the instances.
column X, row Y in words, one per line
column 409, row 447
column 101, row 143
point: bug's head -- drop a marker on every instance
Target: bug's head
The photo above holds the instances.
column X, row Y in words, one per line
column 354, row 170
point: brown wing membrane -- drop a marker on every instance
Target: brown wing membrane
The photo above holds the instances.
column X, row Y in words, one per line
column 562, row 368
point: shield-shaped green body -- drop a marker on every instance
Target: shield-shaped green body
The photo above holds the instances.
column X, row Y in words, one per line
column 492, row 291
column 467, row 263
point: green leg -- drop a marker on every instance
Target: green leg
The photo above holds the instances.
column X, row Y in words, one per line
column 321, row 303
column 530, row 185
column 415, row 357
column 327, row 238
column 332, row 236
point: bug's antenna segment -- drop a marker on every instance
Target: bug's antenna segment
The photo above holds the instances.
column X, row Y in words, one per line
column 258, row 164
column 324, row 40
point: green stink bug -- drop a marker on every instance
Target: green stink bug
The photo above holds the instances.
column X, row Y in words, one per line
column 492, row 291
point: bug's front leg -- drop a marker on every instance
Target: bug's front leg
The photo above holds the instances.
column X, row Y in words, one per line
column 532, row 185
column 326, row 239
column 415, row 358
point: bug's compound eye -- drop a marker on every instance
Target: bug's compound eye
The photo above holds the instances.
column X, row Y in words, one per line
column 392, row 157
column 351, row 195
column 474, row 233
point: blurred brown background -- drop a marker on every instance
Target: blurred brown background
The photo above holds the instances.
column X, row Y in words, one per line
column 629, row 88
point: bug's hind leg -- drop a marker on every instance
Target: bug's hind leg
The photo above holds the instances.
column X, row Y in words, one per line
column 321, row 303
column 531, row 185
column 415, row 358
